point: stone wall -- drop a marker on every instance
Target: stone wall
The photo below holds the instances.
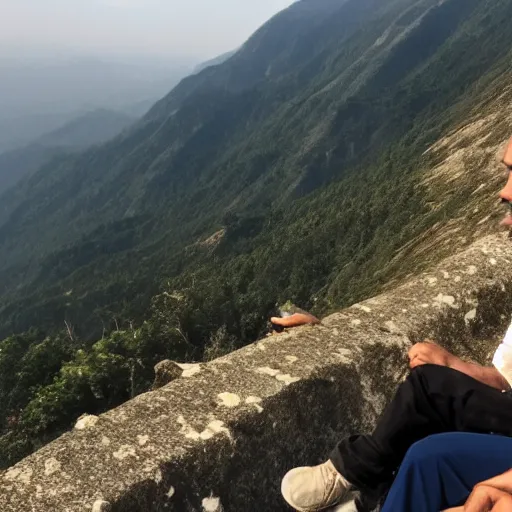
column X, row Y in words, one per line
column 221, row 436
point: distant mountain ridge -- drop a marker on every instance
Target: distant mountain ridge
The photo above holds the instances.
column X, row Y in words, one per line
column 38, row 96
column 90, row 129
column 213, row 62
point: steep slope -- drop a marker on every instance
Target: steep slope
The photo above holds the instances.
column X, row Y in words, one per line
column 87, row 130
column 294, row 146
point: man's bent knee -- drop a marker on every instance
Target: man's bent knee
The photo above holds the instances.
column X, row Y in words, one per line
column 434, row 446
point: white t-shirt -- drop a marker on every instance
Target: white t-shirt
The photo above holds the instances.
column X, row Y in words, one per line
column 503, row 357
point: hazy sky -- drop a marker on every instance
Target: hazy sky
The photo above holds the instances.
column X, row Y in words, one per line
column 192, row 28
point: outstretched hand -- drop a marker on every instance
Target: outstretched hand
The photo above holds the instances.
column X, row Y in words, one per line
column 429, row 352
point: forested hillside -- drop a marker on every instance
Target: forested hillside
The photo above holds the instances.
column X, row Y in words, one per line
column 288, row 172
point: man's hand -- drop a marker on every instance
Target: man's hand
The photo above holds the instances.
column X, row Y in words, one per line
column 488, row 499
column 502, row 482
column 493, row 495
column 430, row 353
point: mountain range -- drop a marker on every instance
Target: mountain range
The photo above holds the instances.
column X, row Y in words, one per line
column 309, row 104
column 295, row 170
column 42, row 92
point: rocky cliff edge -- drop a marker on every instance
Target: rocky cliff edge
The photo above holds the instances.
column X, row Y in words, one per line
column 221, row 436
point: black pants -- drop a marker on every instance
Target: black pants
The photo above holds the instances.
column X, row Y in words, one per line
column 432, row 400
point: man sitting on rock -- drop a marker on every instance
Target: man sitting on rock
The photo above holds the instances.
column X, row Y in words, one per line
column 441, row 394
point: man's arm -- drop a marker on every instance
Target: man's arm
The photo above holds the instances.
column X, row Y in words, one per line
column 430, row 353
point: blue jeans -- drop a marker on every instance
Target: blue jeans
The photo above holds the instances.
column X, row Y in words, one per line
column 440, row 471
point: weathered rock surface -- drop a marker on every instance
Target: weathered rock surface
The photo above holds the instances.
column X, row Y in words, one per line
column 165, row 372
column 221, row 436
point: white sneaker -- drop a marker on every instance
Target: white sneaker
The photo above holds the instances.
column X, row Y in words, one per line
column 312, row 489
